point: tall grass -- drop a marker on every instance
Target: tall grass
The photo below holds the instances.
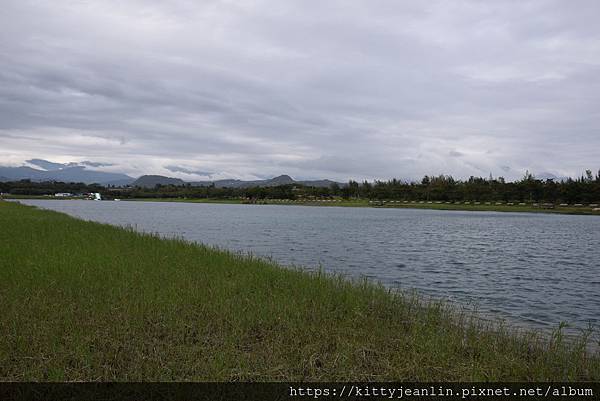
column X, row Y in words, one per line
column 88, row 301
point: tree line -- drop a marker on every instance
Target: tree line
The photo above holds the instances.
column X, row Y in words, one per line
column 35, row 188
column 584, row 189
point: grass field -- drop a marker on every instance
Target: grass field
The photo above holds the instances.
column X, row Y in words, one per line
column 581, row 210
column 87, row 301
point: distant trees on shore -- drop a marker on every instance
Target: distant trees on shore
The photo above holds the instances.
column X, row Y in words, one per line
column 34, row 188
column 584, row 189
column 446, row 188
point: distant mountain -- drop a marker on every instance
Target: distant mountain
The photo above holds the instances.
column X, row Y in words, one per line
column 280, row 180
column 321, row 183
column 273, row 182
column 79, row 172
column 150, row 181
column 549, row 176
column 64, row 174
column 21, row 173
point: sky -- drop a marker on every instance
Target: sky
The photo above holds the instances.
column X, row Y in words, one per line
column 314, row 89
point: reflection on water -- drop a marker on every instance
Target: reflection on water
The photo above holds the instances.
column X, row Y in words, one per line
column 533, row 269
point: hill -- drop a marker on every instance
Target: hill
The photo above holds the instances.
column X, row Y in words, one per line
column 150, row 181
column 76, row 172
column 64, row 174
column 272, row 182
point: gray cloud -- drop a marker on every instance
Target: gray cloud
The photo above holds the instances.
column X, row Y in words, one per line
column 50, row 166
column 93, row 164
column 179, row 169
column 339, row 89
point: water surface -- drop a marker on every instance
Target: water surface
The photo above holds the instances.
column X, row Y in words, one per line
column 535, row 270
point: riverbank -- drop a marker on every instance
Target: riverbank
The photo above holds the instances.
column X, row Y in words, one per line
column 462, row 206
column 88, row 301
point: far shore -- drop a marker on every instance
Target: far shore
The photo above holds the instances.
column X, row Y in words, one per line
column 462, row 206
column 583, row 209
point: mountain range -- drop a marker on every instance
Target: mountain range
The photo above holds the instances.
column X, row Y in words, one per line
column 79, row 172
column 150, row 181
column 88, row 173
column 63, row 172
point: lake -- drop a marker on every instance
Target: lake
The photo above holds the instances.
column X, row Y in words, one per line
column 533, row 270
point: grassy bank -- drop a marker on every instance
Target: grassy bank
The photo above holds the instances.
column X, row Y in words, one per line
column 482, row 207
column 87, row 301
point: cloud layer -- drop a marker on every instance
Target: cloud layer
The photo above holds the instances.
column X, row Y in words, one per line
column 337, row 89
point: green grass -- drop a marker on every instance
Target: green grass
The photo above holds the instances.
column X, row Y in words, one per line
column 87, row 301
column 582, row 210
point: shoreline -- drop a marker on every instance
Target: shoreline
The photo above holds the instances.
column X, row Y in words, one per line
column 137, row 306
column 582, row 211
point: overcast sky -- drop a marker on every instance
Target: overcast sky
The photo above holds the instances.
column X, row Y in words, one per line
column 313, row 89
